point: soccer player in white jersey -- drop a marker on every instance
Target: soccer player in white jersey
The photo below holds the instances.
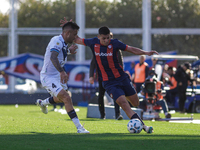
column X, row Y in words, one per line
column 54, row 78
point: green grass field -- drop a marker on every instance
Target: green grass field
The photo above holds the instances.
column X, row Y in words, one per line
column 27, row 128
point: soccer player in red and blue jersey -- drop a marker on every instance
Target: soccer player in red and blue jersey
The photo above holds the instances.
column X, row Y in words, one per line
column 114, row 80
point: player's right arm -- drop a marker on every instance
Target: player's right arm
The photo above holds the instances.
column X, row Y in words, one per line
column 55, row 62
column 92, row 68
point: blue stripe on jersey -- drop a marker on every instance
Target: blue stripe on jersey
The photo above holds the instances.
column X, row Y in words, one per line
column 53, row 49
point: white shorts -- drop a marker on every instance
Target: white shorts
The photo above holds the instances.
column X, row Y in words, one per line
column 52, row 84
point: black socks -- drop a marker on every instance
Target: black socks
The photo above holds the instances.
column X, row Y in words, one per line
column 138, row 117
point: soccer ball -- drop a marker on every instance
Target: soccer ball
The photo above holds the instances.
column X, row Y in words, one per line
column 134, row 126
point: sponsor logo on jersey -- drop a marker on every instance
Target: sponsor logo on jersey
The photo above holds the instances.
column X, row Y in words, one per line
column 103, row 54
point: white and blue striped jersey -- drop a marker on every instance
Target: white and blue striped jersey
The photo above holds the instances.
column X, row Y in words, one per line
column 56, row 44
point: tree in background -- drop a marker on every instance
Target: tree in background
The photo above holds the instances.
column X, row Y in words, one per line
column 124, row 14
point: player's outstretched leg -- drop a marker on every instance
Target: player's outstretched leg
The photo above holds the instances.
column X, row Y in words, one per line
column 44, row 104
column 43, row 107
column 148, row 129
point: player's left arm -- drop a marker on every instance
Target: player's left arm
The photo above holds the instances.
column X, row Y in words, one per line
column 138, row 51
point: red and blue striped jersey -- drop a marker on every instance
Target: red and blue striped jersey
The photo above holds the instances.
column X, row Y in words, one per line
column 106, row 57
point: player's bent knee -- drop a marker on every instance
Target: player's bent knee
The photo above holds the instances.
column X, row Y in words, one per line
column 64, row 96
column 67, row 99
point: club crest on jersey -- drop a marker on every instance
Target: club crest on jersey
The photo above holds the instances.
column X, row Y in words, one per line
column 109, row 46
column 111, row 95
column 57, row 43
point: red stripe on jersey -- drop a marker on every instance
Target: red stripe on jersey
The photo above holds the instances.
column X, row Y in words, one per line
column 111, row 62
column 98, row 59
column 83, row 41
column 126, row 47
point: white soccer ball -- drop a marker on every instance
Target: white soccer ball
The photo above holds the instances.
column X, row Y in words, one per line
column 134, row 126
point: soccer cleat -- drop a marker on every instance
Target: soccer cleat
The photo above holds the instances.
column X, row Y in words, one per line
column 148, row 129
column 82, row 130
column 43, row 108
column 120, row 117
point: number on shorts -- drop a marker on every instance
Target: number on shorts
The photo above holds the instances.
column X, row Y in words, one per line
column 53, row 85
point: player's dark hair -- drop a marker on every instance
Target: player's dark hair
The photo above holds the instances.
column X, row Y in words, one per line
column 170, row 68
column 104, row 30
column 71, row 25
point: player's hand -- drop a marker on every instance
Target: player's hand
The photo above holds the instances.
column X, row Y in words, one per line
column 62, row 22
column 63, row 77
column 73, row 48
column 151, row 53
column 91, row 80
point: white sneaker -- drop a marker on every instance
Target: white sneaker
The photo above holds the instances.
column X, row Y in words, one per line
column 82, row 130
column 148, row 129
column 43, row 108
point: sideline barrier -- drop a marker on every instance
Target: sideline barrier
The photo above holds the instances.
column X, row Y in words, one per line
column 93, row 112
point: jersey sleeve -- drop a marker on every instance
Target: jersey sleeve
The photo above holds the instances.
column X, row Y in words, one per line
column 56, row 45
column 121, row 45
column 89, row 42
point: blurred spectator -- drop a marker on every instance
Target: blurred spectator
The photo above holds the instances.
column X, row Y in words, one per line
column 155, row 98
column 182, row 79
column 172, row 84
column 132, row 68
column 131, row 71
column 164, row 72
column 196, row 75
column 157, row 67
column 141, row 73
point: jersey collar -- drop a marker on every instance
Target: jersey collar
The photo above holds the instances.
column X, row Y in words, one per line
column 104, row 45
column 61, row 38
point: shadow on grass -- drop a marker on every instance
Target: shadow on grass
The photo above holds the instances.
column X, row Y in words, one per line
column 115, row 141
